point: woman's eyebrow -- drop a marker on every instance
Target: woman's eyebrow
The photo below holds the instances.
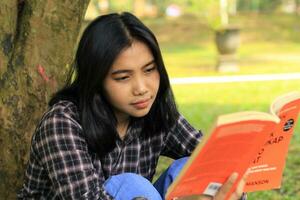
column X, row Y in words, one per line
column 149, row 63
column 120, row 71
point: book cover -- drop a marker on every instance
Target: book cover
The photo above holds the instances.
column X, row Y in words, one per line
column 267, row 167
column 234, row 145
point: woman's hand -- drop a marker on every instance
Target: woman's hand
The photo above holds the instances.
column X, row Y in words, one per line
column 224, row 189
column 237, row 194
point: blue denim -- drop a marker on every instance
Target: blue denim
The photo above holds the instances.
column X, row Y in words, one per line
column 128, row 186
column 165, row 180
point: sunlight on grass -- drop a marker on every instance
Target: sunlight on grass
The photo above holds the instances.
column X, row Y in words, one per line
column 219, row 98
column 265, row 57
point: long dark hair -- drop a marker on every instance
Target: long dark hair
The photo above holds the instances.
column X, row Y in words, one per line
column 101, row 42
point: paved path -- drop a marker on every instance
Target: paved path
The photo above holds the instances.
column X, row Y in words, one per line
column 240, row 78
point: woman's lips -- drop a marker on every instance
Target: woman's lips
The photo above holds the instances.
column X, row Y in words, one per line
column 141, row 104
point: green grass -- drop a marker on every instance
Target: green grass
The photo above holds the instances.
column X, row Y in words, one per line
column 270, row 44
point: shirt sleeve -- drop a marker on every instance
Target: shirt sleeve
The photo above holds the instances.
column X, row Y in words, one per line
column 181, row 139
column 64, row 154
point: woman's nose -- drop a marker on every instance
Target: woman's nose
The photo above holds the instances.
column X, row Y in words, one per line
column 139, row 87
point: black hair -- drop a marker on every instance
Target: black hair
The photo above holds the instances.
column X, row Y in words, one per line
column 100, row 44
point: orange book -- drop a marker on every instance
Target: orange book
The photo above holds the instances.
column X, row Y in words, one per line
column 267, row 167
column 240, row 141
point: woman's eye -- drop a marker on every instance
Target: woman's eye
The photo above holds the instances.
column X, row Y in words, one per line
column 150, row 69
column 123, row 78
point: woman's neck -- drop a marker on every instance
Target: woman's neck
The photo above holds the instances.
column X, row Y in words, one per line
column 122, row 127
column 122, row 123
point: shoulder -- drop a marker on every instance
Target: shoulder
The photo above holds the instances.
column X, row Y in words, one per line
column 184, row 129
column 62, row 111
column 60, row 121
column 182, row 123
column 64, row 108
column 59, row 134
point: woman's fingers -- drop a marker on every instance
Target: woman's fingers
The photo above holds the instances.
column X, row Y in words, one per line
column 221, row 194
column 240, row 188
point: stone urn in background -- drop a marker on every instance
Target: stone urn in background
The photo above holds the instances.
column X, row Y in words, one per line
column 227, row 42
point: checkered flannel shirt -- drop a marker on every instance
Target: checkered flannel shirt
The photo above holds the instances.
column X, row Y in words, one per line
column 61, row 166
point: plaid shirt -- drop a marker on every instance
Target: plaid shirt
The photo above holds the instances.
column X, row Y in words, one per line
column 62, row 166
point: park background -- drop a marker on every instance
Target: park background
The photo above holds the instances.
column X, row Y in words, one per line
column 269, row 35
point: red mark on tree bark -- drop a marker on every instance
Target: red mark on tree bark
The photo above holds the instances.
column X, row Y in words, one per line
column 42, row 73
column 50, row 81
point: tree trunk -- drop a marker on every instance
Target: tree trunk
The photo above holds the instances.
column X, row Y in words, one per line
column 37, row 40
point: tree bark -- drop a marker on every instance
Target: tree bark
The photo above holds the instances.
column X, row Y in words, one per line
column 37, row 41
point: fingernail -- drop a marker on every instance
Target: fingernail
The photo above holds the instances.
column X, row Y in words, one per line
column 234, row 176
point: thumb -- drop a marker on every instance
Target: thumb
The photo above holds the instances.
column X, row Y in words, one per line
column 221, row 194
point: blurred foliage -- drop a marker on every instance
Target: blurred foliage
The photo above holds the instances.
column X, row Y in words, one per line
column 258, row 5
column 197, row 6
column 208, row 10
column 270, row 44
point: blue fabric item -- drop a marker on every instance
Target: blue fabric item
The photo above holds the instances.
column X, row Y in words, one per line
column 165, row 180
column 127, row 186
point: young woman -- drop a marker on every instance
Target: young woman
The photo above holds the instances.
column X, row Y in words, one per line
column 105, row 130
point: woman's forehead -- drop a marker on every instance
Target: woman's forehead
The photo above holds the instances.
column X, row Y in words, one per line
column 136, row 55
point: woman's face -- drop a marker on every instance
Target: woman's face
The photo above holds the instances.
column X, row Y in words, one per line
column 132, row 83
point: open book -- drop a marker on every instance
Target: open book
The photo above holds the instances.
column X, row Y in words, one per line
column 240, row 141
